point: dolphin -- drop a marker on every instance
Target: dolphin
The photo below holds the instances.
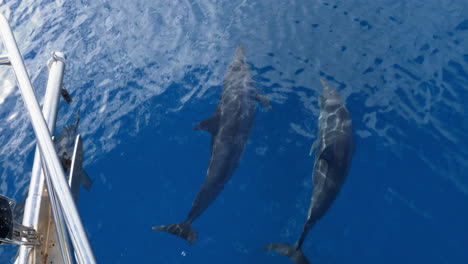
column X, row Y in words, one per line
column 65, row 142
column 230, row 127
column 334, row 149
column 65, row 145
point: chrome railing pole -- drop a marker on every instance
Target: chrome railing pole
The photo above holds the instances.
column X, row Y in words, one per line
column 36, row 185
column 77, row 233
column 60, row 227
column 51, row 102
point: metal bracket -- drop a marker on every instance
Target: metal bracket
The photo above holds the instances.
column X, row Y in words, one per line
column 5, row 60
column 12, row 232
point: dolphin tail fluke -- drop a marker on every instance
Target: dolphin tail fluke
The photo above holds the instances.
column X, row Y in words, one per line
column 290, row 251
column 183, row 230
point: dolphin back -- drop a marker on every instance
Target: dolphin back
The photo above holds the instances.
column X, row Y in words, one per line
column 290, row 251
column 183, row 230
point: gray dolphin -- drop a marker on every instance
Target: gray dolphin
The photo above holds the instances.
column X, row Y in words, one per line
column 65, row 144
column 230, row 127
column 334, row 149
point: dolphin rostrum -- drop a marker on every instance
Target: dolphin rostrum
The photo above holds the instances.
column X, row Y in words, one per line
column 230, row 127
column 334, row 149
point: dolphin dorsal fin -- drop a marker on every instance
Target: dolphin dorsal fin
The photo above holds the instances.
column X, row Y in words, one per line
column 210, row 124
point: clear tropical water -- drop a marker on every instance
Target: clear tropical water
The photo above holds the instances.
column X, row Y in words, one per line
column 144, row 73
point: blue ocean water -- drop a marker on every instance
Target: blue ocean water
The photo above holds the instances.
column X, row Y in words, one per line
column 144, row 73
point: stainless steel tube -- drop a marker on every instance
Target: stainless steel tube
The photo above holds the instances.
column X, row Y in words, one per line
column 62, row 235
column 36, row 185
column 77, row 233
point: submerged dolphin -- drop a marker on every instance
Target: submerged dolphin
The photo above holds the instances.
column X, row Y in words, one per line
column 65, row 145
column 65, row 142
column 334, row 149
column 230, row 127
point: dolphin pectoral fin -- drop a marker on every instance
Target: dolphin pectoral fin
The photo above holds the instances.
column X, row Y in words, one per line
column 288, row 250
column 85, row 180
column 263, row 99
column 210, row 124
column 183, row 230
column 314, row 146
